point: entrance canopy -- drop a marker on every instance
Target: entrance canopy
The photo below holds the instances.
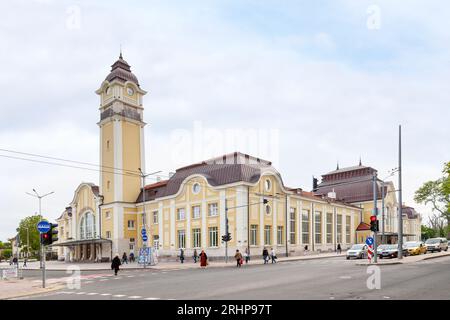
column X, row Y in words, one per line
column 79, row 242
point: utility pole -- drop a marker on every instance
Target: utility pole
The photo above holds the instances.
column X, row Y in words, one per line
column 226, row 231
column 400, row 205
column 382, row 211
column 375, row 213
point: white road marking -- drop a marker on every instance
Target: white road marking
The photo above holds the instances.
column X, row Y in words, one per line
column 81, row 292
column 119, row 295
column 87, row 282
column 105, row 294
column 103, row 279
column 386, row 297
column 345, row 277
column 130, row 276
column 92, row 293
column 135, row 297
column 152, row 298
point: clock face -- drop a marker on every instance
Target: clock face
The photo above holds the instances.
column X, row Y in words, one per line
column 130, row 91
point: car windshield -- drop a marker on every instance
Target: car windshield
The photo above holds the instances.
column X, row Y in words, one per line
column 392, row 246
column 412, row 244
column 382, row 246
column 432, row 241
column 357, row 247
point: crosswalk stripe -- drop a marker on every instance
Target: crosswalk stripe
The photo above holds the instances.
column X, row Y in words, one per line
column 106, row 294
column 92, row 293
column 152, row 298
column 119, row 295
column 135, row 297
column 81, row 292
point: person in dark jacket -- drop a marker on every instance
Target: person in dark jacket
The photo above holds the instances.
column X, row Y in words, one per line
column 265, row 255
column 239, row 259
column 339, row 250
column 203, row 259
column 195, row 256
column 181, row 255
column 115, row 264
column 124, row 258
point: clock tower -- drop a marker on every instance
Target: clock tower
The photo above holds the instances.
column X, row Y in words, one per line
column 121, row 144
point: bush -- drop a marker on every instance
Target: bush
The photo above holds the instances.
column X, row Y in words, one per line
column 6, row 254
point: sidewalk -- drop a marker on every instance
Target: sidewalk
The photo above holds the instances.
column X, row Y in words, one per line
column 167, row 265
column 16, row 288
column 406, row 260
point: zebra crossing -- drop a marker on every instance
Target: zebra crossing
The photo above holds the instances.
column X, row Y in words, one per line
column 107, row 295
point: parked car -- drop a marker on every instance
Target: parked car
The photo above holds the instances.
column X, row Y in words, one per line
column 391, row 251
column 357, row 251
column 380, row 248
column 436, row 244
column 416, row 247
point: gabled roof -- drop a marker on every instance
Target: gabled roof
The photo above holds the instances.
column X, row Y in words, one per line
column 363, row 227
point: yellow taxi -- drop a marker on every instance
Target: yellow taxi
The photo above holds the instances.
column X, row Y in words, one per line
column 416, row 247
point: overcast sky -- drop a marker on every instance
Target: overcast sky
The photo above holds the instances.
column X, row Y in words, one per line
column 302, row 83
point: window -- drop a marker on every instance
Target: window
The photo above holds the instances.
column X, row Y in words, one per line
column 213, row 236
column 196, row 238
column 305, row 226
column 292, row 232
column 131, row 247
column 280, row 235
column 156, row 242
column 329, row 227
column 267, row 185
column 213, row 209
column 180, row 214
column 195, row 212
column 108, row 234
column 87, row 226
column 155, row 217
column 267, row 233
column 130, row 224
column 131, row 239
column 253, row 235
column 347, row 229
column 181, row 243
column 196, row 188
column 107, row 214
column 339, row 228
column 318, row 227
column 268, row 209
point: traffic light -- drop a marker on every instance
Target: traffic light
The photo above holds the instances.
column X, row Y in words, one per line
column 373, row 223
column 226, row 237
column 50, row 236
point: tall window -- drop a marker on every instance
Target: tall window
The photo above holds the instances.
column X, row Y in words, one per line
column 213, row 236
column 212, row 210
column 305, row 226
column 156, row 242
column 318, row 227
column 267, row 237
column 181, row 214
column 87, row 226
column 280, row 235
column 130, row 224
column 339, row 228
column 329, row 227
column 347, row 229
column 253, row 234
column 155, row 217
column 195, row 212
column 292, row 232
column 196, row 238
column 181, row 239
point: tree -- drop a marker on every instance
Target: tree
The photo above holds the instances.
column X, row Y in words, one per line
column 30, row 223
column 437, row 224
column 437, row 193
column 427, row 232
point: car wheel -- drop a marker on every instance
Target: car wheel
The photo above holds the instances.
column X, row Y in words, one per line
column 347, row 258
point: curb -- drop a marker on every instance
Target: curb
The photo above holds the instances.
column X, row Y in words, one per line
column 42, row 290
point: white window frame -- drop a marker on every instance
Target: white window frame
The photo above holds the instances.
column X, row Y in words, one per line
column 199, row 211
column 318, row 229
column 155, row 215
column 179, row 216
column 215, row 209
column 254, row 235
column 196, row 238
column 306, row 223
column 267, row 235
column 213, row 237
column 181, row 239
column 133, row 225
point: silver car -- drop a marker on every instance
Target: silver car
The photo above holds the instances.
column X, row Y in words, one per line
column 436, row 244
column 357, row 251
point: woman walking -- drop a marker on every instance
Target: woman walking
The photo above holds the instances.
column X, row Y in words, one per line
column 195, row 256
column 124, row 258
column 182, row 255
column 246, row 255
column 203, row 259
column 265, row 255
column 238, row 257
column 115, row 264
column 339, row 250
column 273, row 255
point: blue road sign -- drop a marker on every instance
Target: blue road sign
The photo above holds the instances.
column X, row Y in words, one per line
column 143, row 231
column 369, row 241
column 144, row 237
column 43, row 226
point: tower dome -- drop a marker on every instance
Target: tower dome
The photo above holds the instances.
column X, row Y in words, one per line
column 121, row 71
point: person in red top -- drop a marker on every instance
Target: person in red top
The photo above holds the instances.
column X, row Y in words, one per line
column 203, row 259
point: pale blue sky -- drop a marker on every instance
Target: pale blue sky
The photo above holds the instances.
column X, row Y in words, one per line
column 311, row 71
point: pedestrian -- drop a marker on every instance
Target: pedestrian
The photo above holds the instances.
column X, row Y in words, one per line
column 265, row 255
column 246, row 255
column 132, row 257
column 339, row 250
column 203, row 259
column 25, row 261
column 306, row 248
column 195, row 256
column 124, row 258
column 115, row 264
column 238, row 257
column 181, row 255
column 16, row 261
column 273, row 255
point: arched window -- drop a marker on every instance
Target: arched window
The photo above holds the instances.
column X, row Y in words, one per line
column 87, row 226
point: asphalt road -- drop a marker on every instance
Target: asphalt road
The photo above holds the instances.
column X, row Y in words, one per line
column 334, row 278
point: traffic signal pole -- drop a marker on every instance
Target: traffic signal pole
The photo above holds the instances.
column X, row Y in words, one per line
column 375, row 213
column 43, row 265
column 226, row 231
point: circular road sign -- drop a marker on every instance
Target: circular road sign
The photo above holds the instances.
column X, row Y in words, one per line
column 43, row 226
column 144, row 238
column 369, row 241
column 143, row 231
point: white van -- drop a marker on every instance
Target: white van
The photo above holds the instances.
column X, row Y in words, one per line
column 437, row 244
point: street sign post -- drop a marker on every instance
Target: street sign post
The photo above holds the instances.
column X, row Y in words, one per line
column 369, row 242
column 43, row 227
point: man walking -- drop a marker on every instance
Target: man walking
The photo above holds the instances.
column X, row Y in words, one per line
column 246, row 255
column 195, row 256
column 265, row 255
column 273, row 255
column 339, row 250
column 181, row 255
column 115, row 264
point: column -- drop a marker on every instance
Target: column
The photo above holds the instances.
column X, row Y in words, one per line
column 261, row 222
column 172, row 226
column 222, row 204
column 188, row 226
column 299, row 222
column 204, row 229
column 161, row 224
column 274, row 223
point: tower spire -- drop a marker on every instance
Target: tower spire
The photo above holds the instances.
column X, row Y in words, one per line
column 120, row 56
column 337, row 165
column 360, row 163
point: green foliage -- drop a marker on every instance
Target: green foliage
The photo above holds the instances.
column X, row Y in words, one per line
column 427, row 232
column 437, row 193
column 6, row 253
column 30, row 223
